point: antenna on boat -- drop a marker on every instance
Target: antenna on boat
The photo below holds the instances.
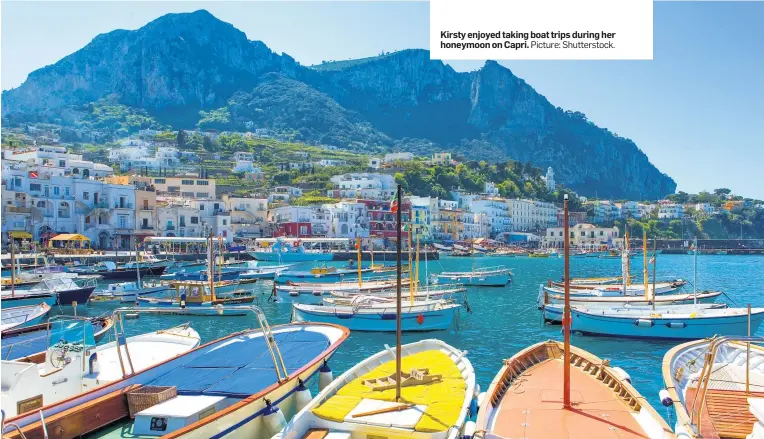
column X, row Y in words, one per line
column 566, row 311
column 396, row 206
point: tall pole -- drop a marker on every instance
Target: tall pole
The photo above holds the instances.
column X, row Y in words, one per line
column 655, row 270
column 358, row 248
column 695, row 273
column 399, row 198
column 411, row 270
column 416, row 270
column 644, row 259
column 566, row 312
column 13, row 265
column 137, row 266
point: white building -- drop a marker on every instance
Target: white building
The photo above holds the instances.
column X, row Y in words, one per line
column 530, row 215
column 605, row 212
column 670, row 210
column 494, row 212
column 549, row 180
column 398, row 156
column 215, row 215
column 244, row 155
column 630, row 209
column 57, row 161
column 581, row 235
column 490, row 189
column 375, row 162
column 348, row 220
column 329, row 162
column 244, row 166
column 180, row 220
column 367, row 186
column 284, row 194
column 706, row 209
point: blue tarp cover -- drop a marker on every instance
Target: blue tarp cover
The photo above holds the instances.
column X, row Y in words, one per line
column 242, row 366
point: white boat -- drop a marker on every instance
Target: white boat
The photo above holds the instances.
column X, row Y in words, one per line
column 264, row 272
column 285, row 251
column 73, row 363
column 546, row 297
column 616, row 290
column 716, row 387
column 243, row 385
column 308, row 293
column 666, row 323
column 21, row 316
column 148, row 260
column 364, row 315
column 498, row 276
column 437, row 392
column 450, row 292
column 125, row 292
column 553, row 313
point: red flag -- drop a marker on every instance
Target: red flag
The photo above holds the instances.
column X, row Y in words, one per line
column 394, row 203
column 32, row 174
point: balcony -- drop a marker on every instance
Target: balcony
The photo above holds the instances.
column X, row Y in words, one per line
column 147, row 207
column 14, row 209
column 170, row 227
column 123, row 206
column 146, row 227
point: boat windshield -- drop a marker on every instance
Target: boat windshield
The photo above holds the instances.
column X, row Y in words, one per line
column 72, row 333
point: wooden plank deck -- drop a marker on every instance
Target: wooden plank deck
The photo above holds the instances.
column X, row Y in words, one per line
column 725, row 413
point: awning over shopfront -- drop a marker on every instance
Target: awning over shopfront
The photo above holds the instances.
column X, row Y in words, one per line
column 20, row 234
column 70, row 237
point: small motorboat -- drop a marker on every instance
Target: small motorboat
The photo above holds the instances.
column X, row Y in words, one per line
column 553, row 313
column 264, row 272
column 320, row 274
column 33, row 340
column 23, row 316
column 367, row 313
column 14, row 299
column 72, row 355
column 437, row 390
column 125, row 292
column 193, row 294
column 243, row 385
column 313, row 293
column 716, row 387
column 67, row 290
column 498, row 276
column 529, row 398
column 546, row 297
column 109, row 271
column 454, row 293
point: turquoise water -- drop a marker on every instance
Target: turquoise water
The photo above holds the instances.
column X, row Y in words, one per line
column 505, row 320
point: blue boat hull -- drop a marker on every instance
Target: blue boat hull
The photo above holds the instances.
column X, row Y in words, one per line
column 434, row 320
column 28, row 299
column 664, row 328
column 287, row 257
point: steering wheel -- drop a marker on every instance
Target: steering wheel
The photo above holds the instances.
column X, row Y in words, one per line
column 58, row 358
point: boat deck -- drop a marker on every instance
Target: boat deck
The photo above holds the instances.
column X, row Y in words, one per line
column 532, row 407
column 434, row 406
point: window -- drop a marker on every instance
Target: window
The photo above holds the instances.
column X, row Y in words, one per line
column 145, row 223
column 56, row 190
column 159, row 181
column 63, row 210
column 187, row 182
column 61, row 163
column 173, row 188
column 194, row 220
column 66, row 191
column 303, row 230
column 122, row 221
column 225, row 222
column 17, row 181
column 602, row 233
column 202, row 195
column 35, row 187
column 202, row 183
column 187, row 194
column 201, row 207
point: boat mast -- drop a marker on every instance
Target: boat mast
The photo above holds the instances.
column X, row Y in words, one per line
column 137, row 266
column 210, row 265
column 416, row 269
column 566, row 312
column 411, row 270
column 13, row 265
column 399, row 199
column 655, row 262
column 695, row 274
column 644, row 259
column 625, row 262
column 628, row 260
column 358, row 248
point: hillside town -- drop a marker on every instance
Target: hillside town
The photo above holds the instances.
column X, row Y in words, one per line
column 48, row 191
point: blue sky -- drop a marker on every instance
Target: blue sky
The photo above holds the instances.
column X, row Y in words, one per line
column 697, row 109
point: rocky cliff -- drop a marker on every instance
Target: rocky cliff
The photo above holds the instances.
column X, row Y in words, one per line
column 180, row 64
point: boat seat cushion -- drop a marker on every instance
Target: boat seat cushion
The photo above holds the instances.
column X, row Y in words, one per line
column 443, row 399
column 243, row 365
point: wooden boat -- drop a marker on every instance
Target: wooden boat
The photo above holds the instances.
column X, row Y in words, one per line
column 314, row 293
column 450, row 292
column 67, row 290
column 660, row 286
column 527, row 399
column 33, row 340
column 616, row 290
column 363, row 315
column 236, row 386
column 498, row 276
column 436, row 391
column 538, row 255
column 73, row 356
column 716, row 387
column 553, row 313
column 320, row 274
column 264, row 272
column 23, row 316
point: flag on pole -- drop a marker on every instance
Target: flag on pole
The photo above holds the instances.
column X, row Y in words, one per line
column 394, row 203
column 651, row 260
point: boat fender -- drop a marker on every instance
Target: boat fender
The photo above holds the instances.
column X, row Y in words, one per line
column 476, row 393
column 273, row 419
column 473, row 406
column 644, row 323
column 673, row 325
column 294, row 293
column 622, row 374
column 481, row 398
column 469, row 429
column 302, row 396
column 93, row 364
column 325, row 376
column 665, row 398
column 182, row 300
column 317, row 293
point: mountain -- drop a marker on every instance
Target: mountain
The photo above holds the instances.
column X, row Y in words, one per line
column 192, row 69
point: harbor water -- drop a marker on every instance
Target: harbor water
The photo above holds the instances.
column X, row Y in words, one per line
column 502, row 321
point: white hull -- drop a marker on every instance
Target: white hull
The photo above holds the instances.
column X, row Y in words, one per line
column 434, row 316
column 545, row 297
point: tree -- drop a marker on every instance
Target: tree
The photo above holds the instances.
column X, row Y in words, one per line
column 208, row 144
column 181, row 139
column 722, row 192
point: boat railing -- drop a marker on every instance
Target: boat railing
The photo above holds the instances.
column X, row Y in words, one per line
column 704, row 377
column 270, row 341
